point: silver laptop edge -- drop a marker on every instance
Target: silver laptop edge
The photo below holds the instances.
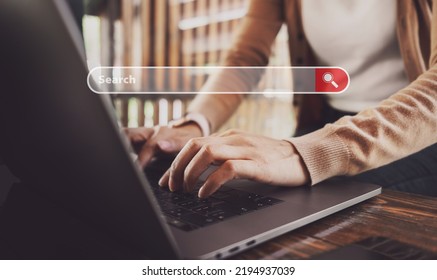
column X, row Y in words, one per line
column 256, row 240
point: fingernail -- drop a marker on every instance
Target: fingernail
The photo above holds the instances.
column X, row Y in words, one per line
column 201, row 193
column 161, row 182
column 164, row 145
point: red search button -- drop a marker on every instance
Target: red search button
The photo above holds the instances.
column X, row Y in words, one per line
column 331, row 80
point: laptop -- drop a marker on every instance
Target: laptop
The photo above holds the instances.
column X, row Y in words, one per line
column 66, row 141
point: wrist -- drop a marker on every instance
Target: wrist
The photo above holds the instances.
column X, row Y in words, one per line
column 193, row 118
column 191, row 128
column 299, row 166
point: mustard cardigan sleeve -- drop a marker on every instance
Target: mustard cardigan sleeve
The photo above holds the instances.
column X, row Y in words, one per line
column 399, row 126
column 251, row 47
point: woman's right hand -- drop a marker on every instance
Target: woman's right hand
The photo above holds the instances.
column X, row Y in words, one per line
column 159, row 140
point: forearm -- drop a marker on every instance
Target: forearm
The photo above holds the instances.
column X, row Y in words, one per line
column 251, row 47
column 217, row 108
column 401, row 125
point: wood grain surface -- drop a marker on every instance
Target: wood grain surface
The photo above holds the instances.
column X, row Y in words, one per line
column 407, row 218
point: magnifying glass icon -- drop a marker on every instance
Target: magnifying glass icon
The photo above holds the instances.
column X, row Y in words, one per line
column 329, row 79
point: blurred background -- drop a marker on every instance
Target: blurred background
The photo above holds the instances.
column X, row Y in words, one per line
column 180, row 33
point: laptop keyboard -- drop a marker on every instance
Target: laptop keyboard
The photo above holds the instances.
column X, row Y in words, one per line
column 188, row 212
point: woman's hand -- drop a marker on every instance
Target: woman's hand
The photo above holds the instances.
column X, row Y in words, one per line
column 151, row 142
column 239, row 156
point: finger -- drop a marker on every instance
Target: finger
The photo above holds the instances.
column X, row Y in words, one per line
column 230, row 170
column 139, row 134
column 163, row 182
column 171, row 146
column 181, row 161
column 176, row 180
column 211, row 154
column 146, row 154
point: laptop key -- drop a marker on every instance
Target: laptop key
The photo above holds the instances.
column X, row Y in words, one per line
column 220, row 195
column 260, row 205
column 252, row 196
column 268, row 200
column 177, row 212
column 243, row 210
column 163, row 196
column 165, row 206
column 191, row 195
column 237, row 209
column 190, row 204
column 177, row 198
column 199, row 220
column 203, row 208
column 222, row 214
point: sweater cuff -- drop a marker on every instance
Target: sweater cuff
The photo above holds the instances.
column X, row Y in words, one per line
column 324, row 154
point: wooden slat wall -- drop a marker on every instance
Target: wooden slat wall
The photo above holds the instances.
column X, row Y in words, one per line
column 200, row 39
column 174, row 37
column 213, row 32
column 163, row 43
column 127, row 17
column 184, row 33
column 187, row 11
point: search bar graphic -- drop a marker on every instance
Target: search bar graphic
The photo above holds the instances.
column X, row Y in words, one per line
column 329, row 79
column 218, row 80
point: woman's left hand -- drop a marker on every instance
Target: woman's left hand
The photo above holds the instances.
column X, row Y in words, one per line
column 239, row 155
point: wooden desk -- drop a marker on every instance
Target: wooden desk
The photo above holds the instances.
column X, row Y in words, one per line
column 407, row 218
